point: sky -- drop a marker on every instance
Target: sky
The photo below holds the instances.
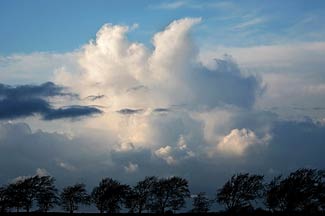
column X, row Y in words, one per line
column 128, row 89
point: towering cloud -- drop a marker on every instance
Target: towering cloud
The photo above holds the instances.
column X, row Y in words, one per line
column 153, row 96
column 162, row 112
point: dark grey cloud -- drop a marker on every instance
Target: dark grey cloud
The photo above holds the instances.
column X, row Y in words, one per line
column 22, row 151
column 225, row 85
column 137, row 88
column 309, row 108
column 294, row 145
column 29, row 100
column 162, row 110
column 128, row 111
column 11, row 108
column 71, row 112
column 47, row 89
column 318, row 108
column 95, row 97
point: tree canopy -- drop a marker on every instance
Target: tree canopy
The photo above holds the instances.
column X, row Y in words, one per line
column 239, row 191
column 74, row 196
column 109, row 195
column 201, row 203
column 302, row 191
column 169, row 193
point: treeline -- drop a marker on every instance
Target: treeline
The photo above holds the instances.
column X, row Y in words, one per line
column 301, row 191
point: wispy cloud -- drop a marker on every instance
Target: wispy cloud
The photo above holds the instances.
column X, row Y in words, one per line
column 170, row 5
column 221, row 5
column 249, row 23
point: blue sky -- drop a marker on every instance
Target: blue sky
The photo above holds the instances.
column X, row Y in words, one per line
column 31, row 26
column 127, row 89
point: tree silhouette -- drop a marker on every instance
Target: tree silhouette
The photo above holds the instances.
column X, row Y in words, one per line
column 201, row 204
column 321, row 195
column 130, row 200
column 302, row 190
column 238, row 192
column 97, row 197
column 46, row 195
column 21, row 193
column 274, row 199
column 14, row 199
column 73, row 196
column 139, row 197
column 28, row 189
column 4, row 200
column 109, row 195
column 169, row 193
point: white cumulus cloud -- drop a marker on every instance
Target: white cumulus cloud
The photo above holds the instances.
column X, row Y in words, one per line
column 237, row 142
column 165, row 153
column 136, row 82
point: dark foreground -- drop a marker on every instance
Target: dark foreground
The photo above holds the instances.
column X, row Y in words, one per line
column 255, row 213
